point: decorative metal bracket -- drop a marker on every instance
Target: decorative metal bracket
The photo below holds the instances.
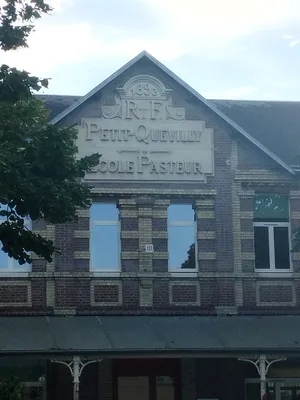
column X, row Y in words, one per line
column 262, row 365
column 76, row 366
column 257, row 363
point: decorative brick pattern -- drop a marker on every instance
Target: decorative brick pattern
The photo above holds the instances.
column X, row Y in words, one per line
column 270, row 293
column 146, row 292
column 131, row 293
column 159, row 224
column 106, row 293
column 247, row 245
column 50, row 293
column 145, row 236
column 38, row 294
column 129, row 224
column 130, row 265
column 226, row 280
column 72, row 293
column 83, row 224
column 247, row 232
column 64, row 240
column 160, row 293
column 225, row 292
column 209, row 265
column 249, row 293
column 81, row 255
column 81, row 244
column 81, row 234
column 51, row 234
column 246, row 203
column 160, row 265
column 39, row 265
column 160, row 245
column 184, row 293
column 208, row 293
column 206, row 256
column 15, row 294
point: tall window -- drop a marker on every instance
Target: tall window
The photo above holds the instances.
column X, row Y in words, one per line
column 272, row 233
column 181, row 237
column 8, row 264
column 105, row 237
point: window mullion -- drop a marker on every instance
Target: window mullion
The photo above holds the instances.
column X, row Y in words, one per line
column 271, row 247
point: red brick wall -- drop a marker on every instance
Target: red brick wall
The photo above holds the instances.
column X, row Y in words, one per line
column 72, row 280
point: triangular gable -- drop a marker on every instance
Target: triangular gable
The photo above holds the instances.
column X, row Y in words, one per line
column 173, row 76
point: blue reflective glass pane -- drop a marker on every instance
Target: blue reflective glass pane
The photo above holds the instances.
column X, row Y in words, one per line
column 181, row 247
column 180, row 212
column 24, row 267
column 105, row 247
column 3, row 259
column 104, row 212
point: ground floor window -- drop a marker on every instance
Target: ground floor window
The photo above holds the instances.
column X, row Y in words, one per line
column 277, row 389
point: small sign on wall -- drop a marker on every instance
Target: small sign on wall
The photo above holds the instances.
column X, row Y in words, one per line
column 149, row 248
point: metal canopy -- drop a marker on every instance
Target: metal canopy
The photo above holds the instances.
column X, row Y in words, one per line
column 149, row 334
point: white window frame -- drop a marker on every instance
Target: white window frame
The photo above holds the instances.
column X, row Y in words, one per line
column 105, row 223
column 271, row 226
column 184, row 224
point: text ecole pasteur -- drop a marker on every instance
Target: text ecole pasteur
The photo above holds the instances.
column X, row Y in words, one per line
column 149, row 148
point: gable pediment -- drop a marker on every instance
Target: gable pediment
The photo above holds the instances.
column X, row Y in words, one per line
column 142, row 136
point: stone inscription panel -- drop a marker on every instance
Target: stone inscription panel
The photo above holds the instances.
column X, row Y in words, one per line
column 142, row 137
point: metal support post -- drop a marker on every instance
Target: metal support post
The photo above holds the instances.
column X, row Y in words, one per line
column 262, row 365
column 76, row 367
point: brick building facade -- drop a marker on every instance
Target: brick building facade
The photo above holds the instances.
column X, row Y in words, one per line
column 166, row 148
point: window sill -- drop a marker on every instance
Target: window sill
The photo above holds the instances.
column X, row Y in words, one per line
column 275, row 274
column 109, row 274
column 14, row 274
column 184, row 274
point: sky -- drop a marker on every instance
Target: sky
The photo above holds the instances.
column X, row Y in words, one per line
column 225, row 49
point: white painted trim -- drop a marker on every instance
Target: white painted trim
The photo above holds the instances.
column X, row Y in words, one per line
column 211, row 106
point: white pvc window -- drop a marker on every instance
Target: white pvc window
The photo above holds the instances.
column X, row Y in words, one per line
column 8, row 264
column 182, row 243
column 272, row 246
column 105, row 245
column 272, row 237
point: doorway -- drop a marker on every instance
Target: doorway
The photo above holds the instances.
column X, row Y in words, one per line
column 143, row 379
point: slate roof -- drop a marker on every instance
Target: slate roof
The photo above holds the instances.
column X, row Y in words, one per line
column 56, row 104
column 276, row 124
column 108, row 335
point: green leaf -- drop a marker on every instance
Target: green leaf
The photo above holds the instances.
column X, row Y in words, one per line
column 41, row 178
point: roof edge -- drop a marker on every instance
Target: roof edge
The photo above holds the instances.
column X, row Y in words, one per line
column 106, row 81
column 172, row 75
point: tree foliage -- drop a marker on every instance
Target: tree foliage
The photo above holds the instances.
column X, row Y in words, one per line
column 41, row 178
column 11, row 388
column 190, row 262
